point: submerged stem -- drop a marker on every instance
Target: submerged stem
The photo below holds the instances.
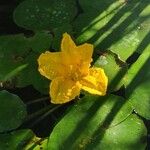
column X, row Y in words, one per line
column 37, row 100
column 45, row 115
column 41, row 111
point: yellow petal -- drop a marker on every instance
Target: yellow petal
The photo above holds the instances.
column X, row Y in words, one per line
column 67, row 47
column 85, row 52
column 50, row 65
column 78, row 56
column 67, row 43
column 96, row 82
column 82, row 52
column 63, row 90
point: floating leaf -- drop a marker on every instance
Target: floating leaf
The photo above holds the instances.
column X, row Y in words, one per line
column 15, row 140
column 85, row 117
column 114, row 68
column 30, row 75
column 137, row 84
column 14, row 72
column 45, row 14
column 21, row 139
column 128, row 135
column 13, row 49
column 18, row 60
column 12, row 111
column 41, row 41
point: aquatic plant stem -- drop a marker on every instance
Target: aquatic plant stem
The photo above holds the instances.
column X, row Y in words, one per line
column 37, row 100
column 45, row 115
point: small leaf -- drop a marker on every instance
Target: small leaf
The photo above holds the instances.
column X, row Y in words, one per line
column 12, row 111
column 37, row 144
column 30, row 75
column 15, row 140
column 41, row 41
column 114, row 69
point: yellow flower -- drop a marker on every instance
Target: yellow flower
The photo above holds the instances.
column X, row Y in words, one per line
column 70, row 71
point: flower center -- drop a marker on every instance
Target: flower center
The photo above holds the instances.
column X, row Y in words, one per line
column 74, row 73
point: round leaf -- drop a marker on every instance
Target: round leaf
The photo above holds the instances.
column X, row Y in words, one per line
column 128, row 135
column 30, row 75
column 19, row 62
column 85, row 117
column 15, row 140
column 45, row 14
column 12, row 111
column 41, row 41
column 13, row 49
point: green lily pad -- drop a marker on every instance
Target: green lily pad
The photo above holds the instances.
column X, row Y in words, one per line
column 85, row 117
column 12, row 111
column 44, row 15
column 22, row 139
column 31, row 75
column 13, row 73
column 41, row 41
column 114, row 68
column 137, row 84
column 128, row 135
column 116, row 25
column 18, row 63
column 13, row 49
column 15, row 140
